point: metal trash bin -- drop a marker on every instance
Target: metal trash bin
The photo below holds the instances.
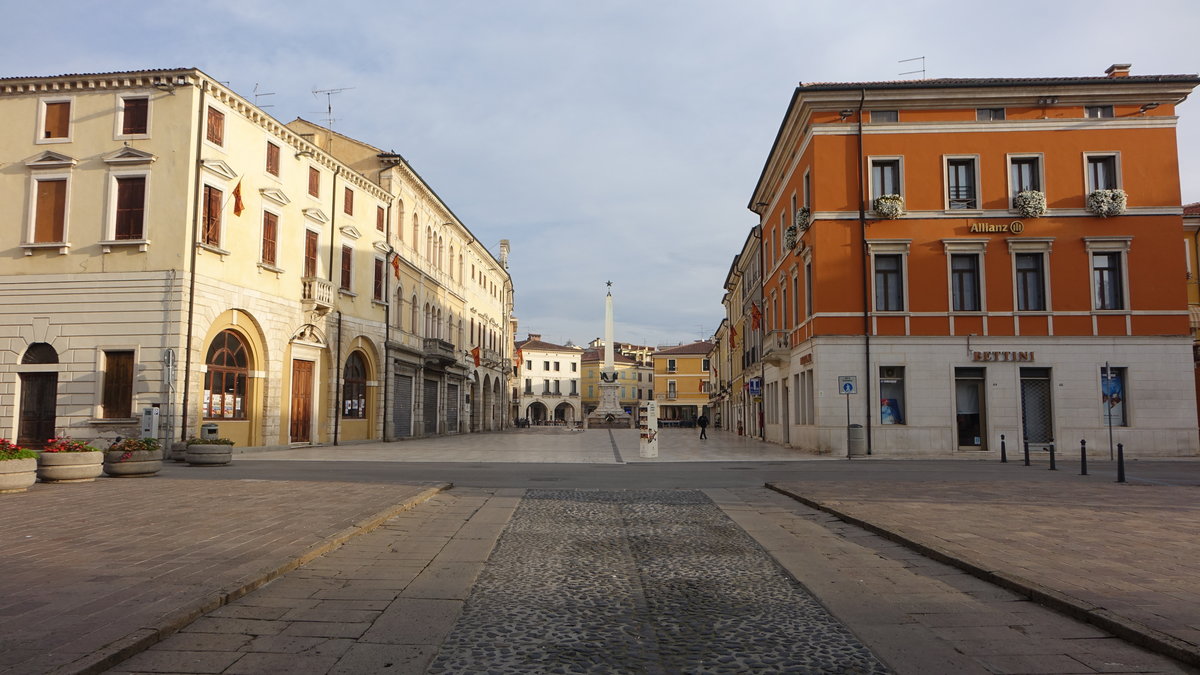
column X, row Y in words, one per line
column 209, row 431
column 857, row 439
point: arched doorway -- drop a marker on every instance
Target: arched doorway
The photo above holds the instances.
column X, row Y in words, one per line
column 227, row 379
column 564, row 412
column 495, row 404
column 485, row 405
column 39, row 398
column 537, row 413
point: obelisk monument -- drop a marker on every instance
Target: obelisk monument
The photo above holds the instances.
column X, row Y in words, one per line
column 609, row 414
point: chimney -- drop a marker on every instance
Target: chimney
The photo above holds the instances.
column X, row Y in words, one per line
column 504, row 254
column 535, row 336
column 1118, row 70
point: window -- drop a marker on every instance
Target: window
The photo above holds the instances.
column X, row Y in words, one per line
column 56, row 120
column 310, row 253
column 1107, row 282
column 135, row 115
column 272, row 159
column 545, row 386
column 354, row 388
column 891, row 395
column 380, row 218
column 50, row 210
column 989, row 114
column 314, row 181
column 885, row 116
column 574, row 387
column 885, row 177
column 1102, row 172
column 1031, row 282
column 556, row 365
column 670, row 365
column 379, row 277
column 574, row 367
column 808, row 290
column 545, row 365
column 212, row 216
column 964, row 282
column 889, row 283
column 348, row 202
column 1098, row 111
column 1025, row 174
column 961, row 190
column 216, row 127
column 671, row 389
column 808, row 189
column 528, row 386
column 225, row 380
column 116, row 398
column 347, row 269
column 1113, row 396
column 528, row 363
column 270, row 237
column 704, row 365
column 129, row 221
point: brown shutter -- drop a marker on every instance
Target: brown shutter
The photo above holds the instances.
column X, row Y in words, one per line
column 272, row 159
column 117, row 398
column 212, row 215
column 51, row 210
column 131, row 207
column 378, row 279
column 216, row 126
column 346, row 273
column 379, row 218
column 269, row 237
column 314, row 181
column 134, row 119
column 348, row 202
column 310, row 253
column 58, row 120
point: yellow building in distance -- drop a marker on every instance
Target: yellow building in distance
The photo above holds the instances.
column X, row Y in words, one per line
column 682, row 381
column 635, row 380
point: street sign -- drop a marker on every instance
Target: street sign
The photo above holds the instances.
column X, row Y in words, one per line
column 848, row 384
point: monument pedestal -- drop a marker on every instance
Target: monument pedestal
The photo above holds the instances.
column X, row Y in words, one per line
column 609, row 414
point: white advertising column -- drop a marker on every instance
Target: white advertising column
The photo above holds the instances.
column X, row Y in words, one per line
column 648, row 425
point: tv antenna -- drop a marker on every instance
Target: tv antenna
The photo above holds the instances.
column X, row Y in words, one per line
column 329, row 118
column 914, row 72
column 258, row 93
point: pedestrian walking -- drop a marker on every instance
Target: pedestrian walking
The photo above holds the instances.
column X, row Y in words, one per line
column 702, row 422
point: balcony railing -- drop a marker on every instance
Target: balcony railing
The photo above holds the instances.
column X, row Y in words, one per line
column 777, row 347
column 438, row 352
column 317, row 294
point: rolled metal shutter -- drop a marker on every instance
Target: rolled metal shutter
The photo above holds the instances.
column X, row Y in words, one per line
column 402, row 406
column 430, row 406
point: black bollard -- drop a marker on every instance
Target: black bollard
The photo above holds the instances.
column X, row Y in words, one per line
column 1082, row 457
column 1026, row 453
column 1003, row 454
column 1052, row 466
column 1120, row 462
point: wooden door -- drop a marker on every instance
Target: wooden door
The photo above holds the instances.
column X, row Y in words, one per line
column 302, row 386
column 39, row 397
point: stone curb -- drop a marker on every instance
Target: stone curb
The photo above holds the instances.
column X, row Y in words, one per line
column 1123, row 627
column 143, row 638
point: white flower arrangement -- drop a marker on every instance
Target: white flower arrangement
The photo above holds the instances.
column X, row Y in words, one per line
column 1030, row 203
column 803, row 218
column 888, row 207
column 1105, row 203
column 789, row 237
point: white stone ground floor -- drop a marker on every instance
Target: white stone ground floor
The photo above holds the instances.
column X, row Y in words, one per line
column 939, row 396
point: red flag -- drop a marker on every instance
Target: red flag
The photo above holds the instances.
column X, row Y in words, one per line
column 732, row 337
column 701, row 383
column 396, row 265
column 520, row 357
column 755, row 316
column 238, row 206
column 475, row 355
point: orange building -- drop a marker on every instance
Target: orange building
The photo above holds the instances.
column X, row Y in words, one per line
column 987, row 257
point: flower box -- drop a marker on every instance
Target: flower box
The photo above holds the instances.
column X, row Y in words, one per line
column 1106, row 203
column 888, row 207
column 1030, row 203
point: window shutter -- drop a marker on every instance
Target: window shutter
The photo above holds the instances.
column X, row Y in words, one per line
column 135, row 117
column 269, row 236
column 212, row 215
column 216, row 126
column 379, row 218
column 314, row 181
column 58, row 120
column 310, row 253
column 346, row 272
column 272, row 159
column 51, row 210
column 131, row 205
column 117, row 398
column 348, row 202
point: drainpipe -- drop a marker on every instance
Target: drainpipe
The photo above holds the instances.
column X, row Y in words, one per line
column 387, row 316
column 337, row 373
column 862, row 224
column 197, row 209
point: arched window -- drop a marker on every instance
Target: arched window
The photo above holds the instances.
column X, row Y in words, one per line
column 225, row 382
column 438, row 322
column 398, row 312
column 354, row 387
column 400, row 219
column 40, row 352
column 416, row 231
column 416, row 316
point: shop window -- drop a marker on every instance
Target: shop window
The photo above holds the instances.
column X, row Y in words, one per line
column 891, row 395
column 1113, row 397
column 354, row 387
column 225, row 382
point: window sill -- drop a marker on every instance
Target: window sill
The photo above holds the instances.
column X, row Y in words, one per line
column 347, row 292
column 131, row 137
column 214, row 249
column 1033, row 312
column 107, row 245
column 50, row 141
column 1111, row 312
column 978, row 213
column 270, row 268
column 113, row 421
column 379, row 303
column 63, row 247
column 968, row 312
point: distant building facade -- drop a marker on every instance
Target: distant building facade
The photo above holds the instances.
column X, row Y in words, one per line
column 681, row 376
column 549, row 376
column 634, row 379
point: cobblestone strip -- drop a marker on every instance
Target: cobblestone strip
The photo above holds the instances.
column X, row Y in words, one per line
column 640, row 582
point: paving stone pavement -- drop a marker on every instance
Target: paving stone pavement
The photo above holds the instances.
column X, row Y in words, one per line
column 93, row 571
column 1125, row 556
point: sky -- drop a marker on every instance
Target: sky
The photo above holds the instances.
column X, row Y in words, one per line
column 606, row 140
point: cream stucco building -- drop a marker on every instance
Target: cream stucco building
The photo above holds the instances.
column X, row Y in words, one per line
column 175, row 247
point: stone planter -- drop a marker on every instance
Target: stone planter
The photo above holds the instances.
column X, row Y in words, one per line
column 139, row 463
column 199, row 454
column 69, row 467
column 16, row 475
